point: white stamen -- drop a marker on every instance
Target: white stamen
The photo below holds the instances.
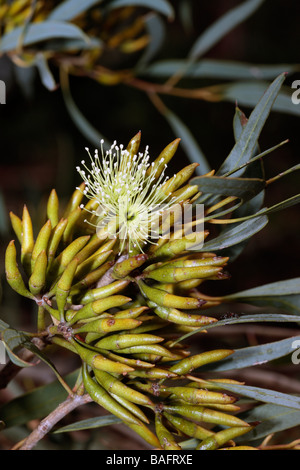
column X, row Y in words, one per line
column 124, row 191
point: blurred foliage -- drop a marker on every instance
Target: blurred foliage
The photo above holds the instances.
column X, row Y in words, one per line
column 117, row 42
column 172, row 69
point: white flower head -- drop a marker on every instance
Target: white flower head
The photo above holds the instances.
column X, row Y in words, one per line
column 128, row 195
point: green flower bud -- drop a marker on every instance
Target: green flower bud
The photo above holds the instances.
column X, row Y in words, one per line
column 53, row 208
column 37, row 280
column 13, row 275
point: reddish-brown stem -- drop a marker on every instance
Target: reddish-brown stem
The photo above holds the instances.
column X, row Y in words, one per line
column 205, row 93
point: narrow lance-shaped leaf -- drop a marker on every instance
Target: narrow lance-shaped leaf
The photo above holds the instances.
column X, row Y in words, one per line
column 79, row 119
column 291, row 201
column 282, row 294
column 162, row 6
column 215, row 32
column 222, row 26
column 64, row 45
column 244, row 188
column 248, row 93
column 255, row 355
column 217, row 68
column 69, row 9
column 284, row 173
column 253, row 169
column 189, row 143
column 38, row 32
column 242, row 318
column 262, row 394
column 13, row 340
column 272, row 419
column 156, row 30
column 243, row 149
column 262, row 213
column 40, row 354
column 236, row 235
column 46, row 75
column 90, row 423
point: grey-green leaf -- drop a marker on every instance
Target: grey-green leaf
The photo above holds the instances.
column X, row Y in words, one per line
column 85, row 127
column 45, row 73
column 256, row 355
column 243, row 318
column 263, row 395
column 13, row 340
column 69, row 9
column 291, row 201
column 38, row 32
column 272, row 419
column 244, row 188
column 221, row 69
column 188, row 141
column 284, row 295
column 243, row 149
column 91, row 423
column 156, row 31
column 62, row 45
column 239, row 233
column 223, row 26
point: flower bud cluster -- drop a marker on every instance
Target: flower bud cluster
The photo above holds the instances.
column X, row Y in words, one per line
column 124, row 313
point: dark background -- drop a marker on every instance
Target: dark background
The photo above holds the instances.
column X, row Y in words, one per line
column 41, row 146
